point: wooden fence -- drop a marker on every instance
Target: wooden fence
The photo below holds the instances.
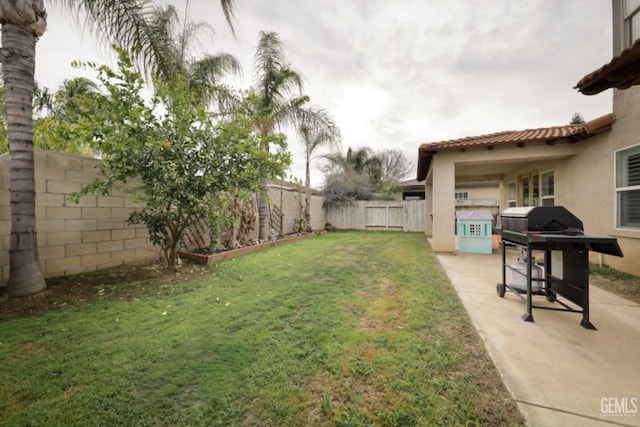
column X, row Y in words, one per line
column 407, row 215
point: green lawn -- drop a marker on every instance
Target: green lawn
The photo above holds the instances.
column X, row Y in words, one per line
column 622, row 284
column 344, row 329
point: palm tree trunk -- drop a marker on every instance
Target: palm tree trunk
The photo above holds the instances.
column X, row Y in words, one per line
column 263, row 217
column 307, row 197
column 263, row 200
column 18, row 66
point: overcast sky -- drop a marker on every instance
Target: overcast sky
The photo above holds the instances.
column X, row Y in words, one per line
column 396, row 74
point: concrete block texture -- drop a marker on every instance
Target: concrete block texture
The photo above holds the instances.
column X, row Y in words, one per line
column 63, row 266
column 60, row 161
column 110, row 202
column 94, row 233
column 96, row 236
column 66, row 212
column 140, row 242
column 80, row 225
column 50, row 226
column 112, row 246
column 125, row 233
column 81, row 249
column 95, row 261
column 63, row 187
column 62, row 238
column 111, row 224
column 83, row 177
column 97, row 213
column 122, row 257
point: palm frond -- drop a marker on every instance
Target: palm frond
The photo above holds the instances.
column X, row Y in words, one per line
column 274, row 80
column 212, row 68
column 145, row 31
column 228, row 7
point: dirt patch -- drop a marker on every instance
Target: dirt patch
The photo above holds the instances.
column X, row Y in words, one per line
column 83, row 288
column 386, row 309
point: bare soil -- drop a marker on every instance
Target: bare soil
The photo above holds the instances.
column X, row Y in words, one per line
column 83, row 288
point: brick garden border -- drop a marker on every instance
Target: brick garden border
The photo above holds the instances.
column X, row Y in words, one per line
column 211, row 259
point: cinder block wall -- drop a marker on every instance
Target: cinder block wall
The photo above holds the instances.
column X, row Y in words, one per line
column 74, row 238
column 291, row 200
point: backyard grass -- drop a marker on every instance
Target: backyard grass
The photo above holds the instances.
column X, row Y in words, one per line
column 345, row 329
column 622, row 284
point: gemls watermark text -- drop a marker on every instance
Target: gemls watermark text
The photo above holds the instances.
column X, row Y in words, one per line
column 620, row 406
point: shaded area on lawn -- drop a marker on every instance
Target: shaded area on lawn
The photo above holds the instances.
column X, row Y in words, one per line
column 344, row 329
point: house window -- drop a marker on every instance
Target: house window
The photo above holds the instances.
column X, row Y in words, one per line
column 548, row 191
column 525, row 191
column 631, row 21
column 462, row 195
column 628, row 187
column 512, row 194
column 535, row 180
column 475, row 230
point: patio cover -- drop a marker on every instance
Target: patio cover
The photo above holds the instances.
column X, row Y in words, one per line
column 621, row 73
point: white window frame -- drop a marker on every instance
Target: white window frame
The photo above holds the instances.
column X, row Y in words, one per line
column 630, row 15
column 512, row 203
column 462, row 195
column 525, row 183
column 544, row 198
column 620, row 189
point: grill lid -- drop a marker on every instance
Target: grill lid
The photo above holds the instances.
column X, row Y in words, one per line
column 551, row 227
column 547, row 219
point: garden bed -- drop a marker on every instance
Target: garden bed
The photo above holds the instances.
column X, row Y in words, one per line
column 203, row 259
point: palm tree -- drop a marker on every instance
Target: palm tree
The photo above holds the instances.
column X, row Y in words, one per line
column 203, row 74
column 118, row 21
column 314, row 139
column 278, row 101
column 66, row 103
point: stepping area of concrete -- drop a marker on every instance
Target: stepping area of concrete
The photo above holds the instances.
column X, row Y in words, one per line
column 559, row 373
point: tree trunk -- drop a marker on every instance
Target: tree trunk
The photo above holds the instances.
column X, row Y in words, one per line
column 307, row 198
column 263, row 217
column 18, row 67
column 263, row 200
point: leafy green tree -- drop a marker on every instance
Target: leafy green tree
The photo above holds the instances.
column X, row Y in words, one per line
column 54, row 113
column 185, row 164
column 67, row 103
column 276, row 100
column 74, row 98
column 120, row 21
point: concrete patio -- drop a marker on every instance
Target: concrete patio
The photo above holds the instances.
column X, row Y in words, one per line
column 559, row 373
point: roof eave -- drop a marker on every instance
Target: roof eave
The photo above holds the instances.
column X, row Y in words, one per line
column 622, row 72
column 586, row 130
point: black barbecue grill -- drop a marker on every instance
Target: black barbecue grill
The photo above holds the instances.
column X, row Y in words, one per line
column 558, row 234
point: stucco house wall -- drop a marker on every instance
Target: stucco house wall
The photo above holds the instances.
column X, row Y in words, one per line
column 625, row 133
column 584, row 184
column 582, row 158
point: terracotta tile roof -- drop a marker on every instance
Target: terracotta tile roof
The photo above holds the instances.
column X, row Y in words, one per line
column 622, row 72
column 521, row 137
